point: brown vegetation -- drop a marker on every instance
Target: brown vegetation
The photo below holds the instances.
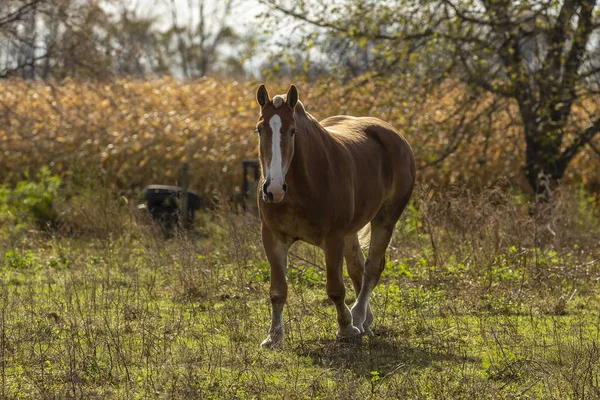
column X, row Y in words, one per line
column 135, row 133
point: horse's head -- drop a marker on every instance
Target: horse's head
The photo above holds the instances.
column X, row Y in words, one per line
column 276, row 129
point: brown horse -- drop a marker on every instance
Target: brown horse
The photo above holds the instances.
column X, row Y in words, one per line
column 321, row 183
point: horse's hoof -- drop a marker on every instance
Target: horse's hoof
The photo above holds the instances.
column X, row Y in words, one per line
column 272, row 343
column 360, row 329
column 349, row 334
column 350, row 330
column 358, row 320
column 368, row 332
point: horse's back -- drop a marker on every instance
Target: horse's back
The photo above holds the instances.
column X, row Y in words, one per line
column 361, row 134
column 355, row 130
column 379, row 152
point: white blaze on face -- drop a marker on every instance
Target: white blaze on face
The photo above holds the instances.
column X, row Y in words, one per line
column 276, row 173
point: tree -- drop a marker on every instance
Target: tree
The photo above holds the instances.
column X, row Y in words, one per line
column 137, row 47
column 18, row 33
column 543, row 55
column 43, row 38
column 81, row 38
column 200, row 37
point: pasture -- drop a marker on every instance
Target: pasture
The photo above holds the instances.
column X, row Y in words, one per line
column 478, row 300
column 491, row 285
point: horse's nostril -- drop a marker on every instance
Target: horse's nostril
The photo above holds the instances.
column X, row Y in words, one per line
column 270, row 196
column 264, row 188
column 285, row 187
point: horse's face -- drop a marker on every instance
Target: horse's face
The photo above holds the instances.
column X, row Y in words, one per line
column 276, row 130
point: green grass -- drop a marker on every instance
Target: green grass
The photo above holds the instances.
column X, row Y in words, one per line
column 478, row 300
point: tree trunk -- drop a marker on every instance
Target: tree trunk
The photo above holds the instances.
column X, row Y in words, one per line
column 544, row 162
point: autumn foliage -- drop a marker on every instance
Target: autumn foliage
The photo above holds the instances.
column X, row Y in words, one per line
column 135, row 133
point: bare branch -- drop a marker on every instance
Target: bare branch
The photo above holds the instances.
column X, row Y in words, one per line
column 463, row 16
column 343, row 29
column 8, row 72
column 557, row 37
column 594, row 148
column 582, row 139
column 589, row 73
column 458, row 138
column 18, row 14
column 479, row 80
column 575, row 57
column 462, row 129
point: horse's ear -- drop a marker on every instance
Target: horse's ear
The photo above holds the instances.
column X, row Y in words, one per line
column 292, row 96
column 262, row 96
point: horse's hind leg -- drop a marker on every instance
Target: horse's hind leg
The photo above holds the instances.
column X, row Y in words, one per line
column 334, row 252
column 355, row 261
column 382, row 228
column 380, row 238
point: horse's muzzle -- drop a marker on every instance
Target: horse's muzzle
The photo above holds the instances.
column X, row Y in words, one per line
column 273, row 194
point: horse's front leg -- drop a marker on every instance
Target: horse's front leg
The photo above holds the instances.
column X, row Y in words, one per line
column 334, row 256
column 276, row 251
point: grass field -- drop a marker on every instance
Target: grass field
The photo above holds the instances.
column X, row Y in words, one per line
column 478, row 300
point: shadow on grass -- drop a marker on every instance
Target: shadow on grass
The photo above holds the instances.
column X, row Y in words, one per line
column 381, row 352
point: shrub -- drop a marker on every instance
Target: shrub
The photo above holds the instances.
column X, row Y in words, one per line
column 136, row 133
column 32, row 201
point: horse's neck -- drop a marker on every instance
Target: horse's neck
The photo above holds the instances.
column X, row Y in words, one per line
column 310, row 153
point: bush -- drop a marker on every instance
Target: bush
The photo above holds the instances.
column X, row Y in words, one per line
column 135, row 133
column 32, row 201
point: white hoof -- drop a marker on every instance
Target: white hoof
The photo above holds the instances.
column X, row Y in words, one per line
column 360, row 329
column 358, row 319
column 272, row 342
column 349, row 331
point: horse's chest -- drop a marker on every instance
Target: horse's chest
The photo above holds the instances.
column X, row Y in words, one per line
column 298, row 224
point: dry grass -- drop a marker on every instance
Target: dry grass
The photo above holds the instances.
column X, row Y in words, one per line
column 133, row 133
column 478, row 300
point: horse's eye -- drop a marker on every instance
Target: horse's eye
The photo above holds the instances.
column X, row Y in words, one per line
column 293, row 131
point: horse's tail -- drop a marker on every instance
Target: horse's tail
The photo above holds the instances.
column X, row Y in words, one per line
column 364, row 237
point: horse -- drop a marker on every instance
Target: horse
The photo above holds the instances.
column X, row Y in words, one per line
column 322, row 183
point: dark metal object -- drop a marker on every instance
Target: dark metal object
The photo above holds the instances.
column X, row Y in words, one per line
column 164, row 204
column 249, row 186
column 184, row 196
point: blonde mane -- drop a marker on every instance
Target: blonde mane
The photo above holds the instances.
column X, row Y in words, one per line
column 314, row 129
column 313, row 134
column 279, row 100
column 305, row 122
